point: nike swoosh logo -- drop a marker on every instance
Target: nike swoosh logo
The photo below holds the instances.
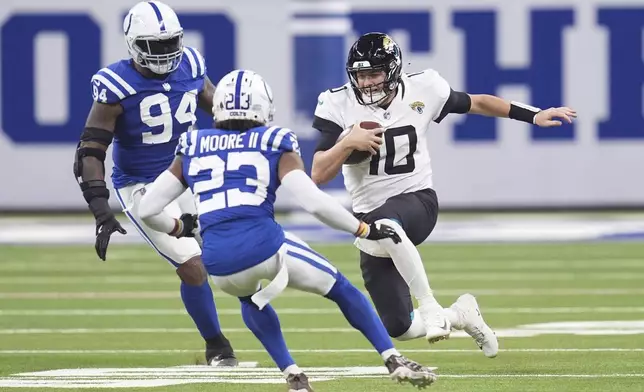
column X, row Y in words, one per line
column 444, row 324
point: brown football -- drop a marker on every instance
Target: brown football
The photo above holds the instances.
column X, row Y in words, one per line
column 358, row 156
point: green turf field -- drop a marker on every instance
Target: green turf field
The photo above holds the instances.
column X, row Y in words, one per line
column 61, row 308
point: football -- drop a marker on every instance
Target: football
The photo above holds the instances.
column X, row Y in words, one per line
column 358, row 156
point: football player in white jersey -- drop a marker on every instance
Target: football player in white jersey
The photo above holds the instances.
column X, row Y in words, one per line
column 387, row 171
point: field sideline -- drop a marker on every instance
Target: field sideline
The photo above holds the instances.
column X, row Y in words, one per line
column 570, row 318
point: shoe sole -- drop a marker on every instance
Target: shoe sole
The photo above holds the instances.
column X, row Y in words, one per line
column 227, row 362
column 437, row 337
column 418, row 379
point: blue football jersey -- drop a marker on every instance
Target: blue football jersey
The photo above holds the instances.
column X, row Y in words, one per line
column 155, row 113
column 234, row 178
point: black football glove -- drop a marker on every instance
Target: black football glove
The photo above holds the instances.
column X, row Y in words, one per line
column 189, row 223
column 106, row 224
column 379, row 231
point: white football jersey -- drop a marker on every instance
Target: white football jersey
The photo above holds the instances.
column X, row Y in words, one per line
column 403, row 164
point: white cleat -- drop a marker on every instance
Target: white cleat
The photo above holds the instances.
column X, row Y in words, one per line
column 474, row 325
column 437, row 326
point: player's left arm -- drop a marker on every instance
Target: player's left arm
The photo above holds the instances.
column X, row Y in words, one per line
column 490, row 105
column 205, row 97
column 167, row 187
column 493, row 106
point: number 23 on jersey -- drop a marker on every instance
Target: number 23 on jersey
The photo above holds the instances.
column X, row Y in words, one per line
column 215, row 195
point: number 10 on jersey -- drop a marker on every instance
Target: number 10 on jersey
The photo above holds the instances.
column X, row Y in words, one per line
column 393, row 157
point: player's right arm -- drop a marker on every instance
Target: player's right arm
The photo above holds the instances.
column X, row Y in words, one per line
column 321, row 205
column 89, row 162
column 167, row 187
column 329, row 155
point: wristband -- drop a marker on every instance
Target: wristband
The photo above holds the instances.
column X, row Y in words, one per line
column 522, row 112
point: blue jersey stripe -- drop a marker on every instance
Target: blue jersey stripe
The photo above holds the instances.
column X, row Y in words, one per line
column 238, row 90
column 311, row 262
column 157, row 11
column 300, row 246
column 140, row 230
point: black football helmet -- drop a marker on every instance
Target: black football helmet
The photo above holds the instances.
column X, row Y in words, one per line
column 375, row 51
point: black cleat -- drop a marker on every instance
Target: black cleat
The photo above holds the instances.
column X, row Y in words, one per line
column 220, row 353
column 402, row 370
column 222, row 360
column 298, row 383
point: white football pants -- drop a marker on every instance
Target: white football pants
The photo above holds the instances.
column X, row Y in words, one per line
column 295, row 265
column 175, row 250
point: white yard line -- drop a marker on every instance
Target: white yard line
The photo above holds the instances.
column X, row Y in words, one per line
column 322, row 351
column 499, row 264
column 296, row 294
column 79, row 331
column 613, row 375
column 506, row 276
column 296, row 311
column 598, row 328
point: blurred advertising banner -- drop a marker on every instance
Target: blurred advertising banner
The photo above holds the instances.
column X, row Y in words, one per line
column 586, row 54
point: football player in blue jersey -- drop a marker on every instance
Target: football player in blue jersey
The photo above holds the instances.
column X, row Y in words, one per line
column 234, row 171
column 144, row 104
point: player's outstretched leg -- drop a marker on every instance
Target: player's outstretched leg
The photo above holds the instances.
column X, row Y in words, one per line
column 199, row 302
column 362, row 316
column 265, row 325
column 410, row 265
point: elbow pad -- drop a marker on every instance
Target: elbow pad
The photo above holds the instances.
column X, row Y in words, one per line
column 93, row 188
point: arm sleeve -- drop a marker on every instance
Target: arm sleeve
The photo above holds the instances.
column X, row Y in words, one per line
column 321, row 205
column 457, row 102
column 329, row 133
column 157, row 196
column 327, row 120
